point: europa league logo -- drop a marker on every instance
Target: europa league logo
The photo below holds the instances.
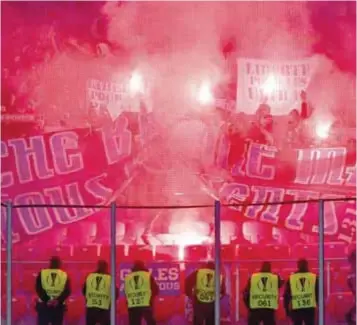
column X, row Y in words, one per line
column 209, row 278
column 264, row 281
column 137, row 282
column 98, row 280
column 53, row 279
column 302, row 283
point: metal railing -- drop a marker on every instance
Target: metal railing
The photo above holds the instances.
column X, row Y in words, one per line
column 217, row 244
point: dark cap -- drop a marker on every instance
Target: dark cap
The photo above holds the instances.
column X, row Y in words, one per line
column 303, row 265
column 266, row 267
column 55, row 262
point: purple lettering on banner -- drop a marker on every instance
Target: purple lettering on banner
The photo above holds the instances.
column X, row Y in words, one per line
column 55, row 195
column 330, row 217
column 298, row 210
column 61, row 145
column 255, row 166
column 351, row 176
column 167, row 276
column 234, row 193
column 37, row 151
column 271, row 213
column 33, row 219
column 117, row 140
column 348, row 224
column 266, row 195
column 75, row 198
column 314, row 166
column 337, row 166
column 260, row 196
column 7, row 178
column 98, row 190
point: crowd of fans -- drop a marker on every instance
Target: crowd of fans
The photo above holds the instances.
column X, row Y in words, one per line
column 21, row 104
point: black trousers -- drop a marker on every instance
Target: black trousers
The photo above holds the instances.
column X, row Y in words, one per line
column 203, row 314
column 303, row 316
column 96, row 316
column 137, row 314
column 261, row 316
column 49, row 315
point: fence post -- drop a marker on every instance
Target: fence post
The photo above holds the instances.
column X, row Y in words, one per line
column 321, row 263
column 113, row 237
column 9, row 263
column 217, row 249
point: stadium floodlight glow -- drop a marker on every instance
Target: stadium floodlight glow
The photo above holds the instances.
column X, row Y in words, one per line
column 205, row 96
column 136, row 83
column 322, row 130
column 270, row 85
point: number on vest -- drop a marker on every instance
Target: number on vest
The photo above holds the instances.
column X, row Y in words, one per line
column 264, row 303
column 137, row 301
column 304, row 302
column 97, row 302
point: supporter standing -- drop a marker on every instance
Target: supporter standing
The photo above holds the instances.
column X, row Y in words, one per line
column 261, row 296
column 53, row 289
column 351, row 282
column 261, row 129
column 140, row 290
column 97, row 293
column 301, row 295
column 200, row 287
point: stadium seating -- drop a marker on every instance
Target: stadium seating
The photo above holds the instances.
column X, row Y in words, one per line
column 229, row 252
column 251, row 252
column 336, row 250
column 195, row 253
column 143, row 253
column 167, row 253
column 338, row 280
column 277, row 252
column 104, row 253
column 308, row 251
column 339, row 304
column 88, row 253
column 79, row 260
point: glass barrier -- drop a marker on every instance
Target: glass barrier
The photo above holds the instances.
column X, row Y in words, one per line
column 173, row 243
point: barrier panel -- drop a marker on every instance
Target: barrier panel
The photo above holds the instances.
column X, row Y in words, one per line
column 170, row 265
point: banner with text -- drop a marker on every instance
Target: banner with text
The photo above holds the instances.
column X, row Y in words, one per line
column 80, row 167
column 166, row 275
column 277, row 83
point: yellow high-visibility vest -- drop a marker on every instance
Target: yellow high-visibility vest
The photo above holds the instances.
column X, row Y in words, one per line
column 264, row 291
column 53, row 281
column 98, row 291
column 205, row 285
column 137, row 288
column 302, row 286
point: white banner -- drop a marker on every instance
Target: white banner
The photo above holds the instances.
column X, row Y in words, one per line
column 113, row 97
column 277, row 83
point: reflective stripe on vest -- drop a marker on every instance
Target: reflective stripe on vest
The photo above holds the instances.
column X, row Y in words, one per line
column 302, row 286
column 137, row 288
column 98, row 291
column 53, row 282
column 205, row 285
column 264, row 291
